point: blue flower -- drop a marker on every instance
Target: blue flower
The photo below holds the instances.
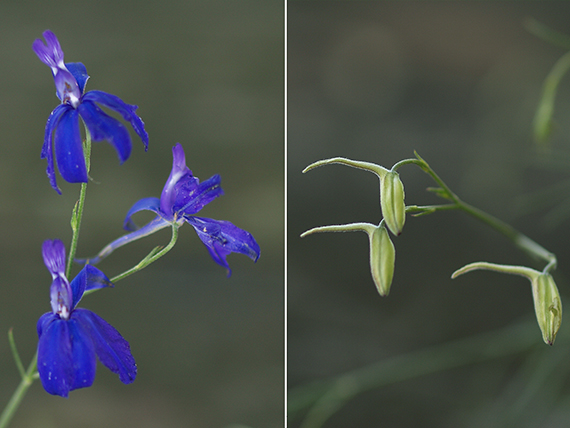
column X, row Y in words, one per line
column 182, row 197
column 70, row 337
column 70, row 82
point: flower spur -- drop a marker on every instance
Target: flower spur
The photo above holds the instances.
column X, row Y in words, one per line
column 71, row 338
column 182, row 197
column 62, row 127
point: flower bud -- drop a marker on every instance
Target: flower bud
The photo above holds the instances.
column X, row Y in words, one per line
column 392, row 202
column 547, row 306
column 382, row 259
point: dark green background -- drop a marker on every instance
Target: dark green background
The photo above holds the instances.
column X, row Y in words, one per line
column 458, row 82
column 207, row 74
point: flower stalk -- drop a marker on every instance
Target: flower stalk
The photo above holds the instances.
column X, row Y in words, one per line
column 548, row 306
column 72, row 339
column 28, row 378
column 151, row 257
column 520, row 240
column 31, row 374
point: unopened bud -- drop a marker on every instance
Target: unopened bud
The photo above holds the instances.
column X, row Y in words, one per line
column 547, row 306
column 392, row 202
column 382, row 259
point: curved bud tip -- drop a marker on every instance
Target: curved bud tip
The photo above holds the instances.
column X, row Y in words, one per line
column 382, row 259
column 529, row 273
column 392, row 202
column 380, row 171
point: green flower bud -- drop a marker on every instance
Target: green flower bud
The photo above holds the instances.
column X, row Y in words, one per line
column 392, row 202
column 547, row 306
column 382, row 252
column 382, row 259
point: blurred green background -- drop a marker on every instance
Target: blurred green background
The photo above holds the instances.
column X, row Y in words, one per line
column 459, row 82
column 207, row 74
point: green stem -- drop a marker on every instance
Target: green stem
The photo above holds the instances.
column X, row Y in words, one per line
column 75, row 227
column 546, row 33
column 417, row 210
column 520, row 240
column 324, row 398
column 16, row 354
column 19, row 393
column 543, row 117
column 31, row 374
column 153, row 256
column 77, row 214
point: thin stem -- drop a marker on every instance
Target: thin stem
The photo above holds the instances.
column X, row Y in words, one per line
column 75, row 227
column 418, row 210
column 31, row 374
column 519, row 239
column 27, row 380
column 153, row 256
column 445, row 188
column 547, row 34
column 324, row 398
column 543, row 118
column 77, row 214
column 15, row 354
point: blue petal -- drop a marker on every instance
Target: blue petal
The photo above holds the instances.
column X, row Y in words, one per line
column 55, row 357
column 47, row 148
column 150, row 204
column 44, row 321
column 53, row 253
column 222, row 238
column 155, row 225
column 183, row 193
column 218, row 254
column 126, row 110
column 89, row 278
column 69, row 149
column 52, row 55
column 111, row 348
column 83, row 353
column 178, row 172
column 104, row 127
column 78, row 71
column 192, row 196
column 61, row 298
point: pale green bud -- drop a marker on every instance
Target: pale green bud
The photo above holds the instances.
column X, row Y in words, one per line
column 392, row 202
column 382, row 259
column 547, row 306
column 382, row 252
column 547, row 303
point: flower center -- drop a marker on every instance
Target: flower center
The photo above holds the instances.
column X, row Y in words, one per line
column 63, row 311
column 69, row 96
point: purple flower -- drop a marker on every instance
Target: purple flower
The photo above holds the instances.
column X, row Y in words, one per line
column 182, row 197
column 70, row 337
column 70, row 82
